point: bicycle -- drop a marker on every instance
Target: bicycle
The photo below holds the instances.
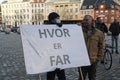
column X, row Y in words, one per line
column 107, row 58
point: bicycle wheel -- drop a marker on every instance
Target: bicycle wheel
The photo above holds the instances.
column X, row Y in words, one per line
column 107, row 60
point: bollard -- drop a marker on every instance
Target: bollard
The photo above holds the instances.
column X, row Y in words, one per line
column 7, row 30
column 119, row 60
column 40, row 77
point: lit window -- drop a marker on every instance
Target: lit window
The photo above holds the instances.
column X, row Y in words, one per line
column 101, row 12
column 106, row 12
column 102, row 6
column 97, row 12
column 112, row 19
column 106, row 19
column 112, row 12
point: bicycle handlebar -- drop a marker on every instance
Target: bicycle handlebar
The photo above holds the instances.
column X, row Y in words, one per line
column 108, row 46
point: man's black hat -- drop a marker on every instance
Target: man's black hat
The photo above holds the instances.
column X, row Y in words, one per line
column 52, row 16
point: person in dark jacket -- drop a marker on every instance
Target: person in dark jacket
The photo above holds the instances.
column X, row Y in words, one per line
column 115, row 30
column 101, row 26
column 53, row 18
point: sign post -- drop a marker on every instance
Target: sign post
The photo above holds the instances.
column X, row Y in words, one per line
column 48, row 47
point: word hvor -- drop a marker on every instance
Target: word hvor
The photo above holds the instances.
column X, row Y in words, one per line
column 54, row 32
column 55, row 60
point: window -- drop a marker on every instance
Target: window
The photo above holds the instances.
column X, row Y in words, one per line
column 76, row 16
column 42, row 10
column 101, row 6
column 106, row 11
column 112, row 12
column 42, row 5
column 27, row 16
column 71, row 16
column 76, row 9
column 97, row 12
column 106, row 19
column 38, row 5
column 81, row 12
column 27, row 10
column 35, row 5
column 32, row 17
column 57, row 6
column 23, row 10
column 24, row 16
column 112, row 6
column 66, row 5
column 61, row 5
column 112, row 19
column 84, row 7
column 32, row 11
column 88, row 12
column 76, row 4
column 101, row 12
column 91, row 6
column 84, row 12
column 71, row 10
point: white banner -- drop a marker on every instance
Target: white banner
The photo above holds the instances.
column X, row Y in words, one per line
column 48, row 47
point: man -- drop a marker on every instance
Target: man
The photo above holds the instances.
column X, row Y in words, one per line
column 53, row 18
column 100, row 25
column 115, row 30
column 94, row 39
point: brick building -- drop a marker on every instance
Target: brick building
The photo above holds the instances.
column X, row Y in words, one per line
column 108, row 10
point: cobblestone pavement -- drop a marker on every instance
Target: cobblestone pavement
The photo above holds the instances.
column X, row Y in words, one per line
column 12, row 66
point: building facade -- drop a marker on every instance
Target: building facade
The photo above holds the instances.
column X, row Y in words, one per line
column 15, row 13
column 18, row 12
column 87, row 8
column 108, row 10
column 0, row 15
column 67, row 9
column 37, row 11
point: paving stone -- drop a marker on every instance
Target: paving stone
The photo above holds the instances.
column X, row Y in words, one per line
column 12, row 66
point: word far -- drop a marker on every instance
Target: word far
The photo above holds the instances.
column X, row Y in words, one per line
column 56, row 60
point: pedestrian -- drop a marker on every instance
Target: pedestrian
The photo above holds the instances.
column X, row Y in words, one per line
column 115, row 30
column 94, row 40
column 54, row 18
column 100, row 25
column 7, row 30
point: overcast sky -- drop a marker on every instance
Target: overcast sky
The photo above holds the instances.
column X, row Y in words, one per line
column 1, row 1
